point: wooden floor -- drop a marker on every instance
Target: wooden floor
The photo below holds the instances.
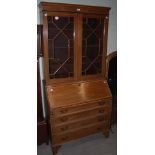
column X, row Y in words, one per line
column 92, row 145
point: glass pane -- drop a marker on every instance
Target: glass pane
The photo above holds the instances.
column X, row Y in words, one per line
column 61, row 46
column 92, row 45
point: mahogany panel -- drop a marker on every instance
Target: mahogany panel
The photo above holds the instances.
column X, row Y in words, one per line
column 80, row 107
column 46, row 6
column 81, row 115
column 76, row 134
column 77, row 93
column 77, row 124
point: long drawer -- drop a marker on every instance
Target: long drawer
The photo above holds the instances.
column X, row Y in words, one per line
column 78, row 124
column 76, row 134
column 81, row 115
column 80, row 107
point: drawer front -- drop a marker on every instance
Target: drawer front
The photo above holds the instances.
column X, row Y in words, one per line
column 79, row 116
column 78, row 108
column 62, row 138
column 79, row 124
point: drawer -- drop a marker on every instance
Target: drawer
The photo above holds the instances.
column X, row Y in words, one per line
column 78, row 124
column 79, row 116
column 80, row 107
column 76, row 134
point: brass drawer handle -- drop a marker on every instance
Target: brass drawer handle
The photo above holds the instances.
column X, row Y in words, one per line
column 101, row 102
column 64, row 128
column 64, row 119
column 78, row 9
column 101, row 111
column 63, row 111
column 64, row 138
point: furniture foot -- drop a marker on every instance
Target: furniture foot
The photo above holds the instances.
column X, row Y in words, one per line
column 55, row 149
column 106, row 133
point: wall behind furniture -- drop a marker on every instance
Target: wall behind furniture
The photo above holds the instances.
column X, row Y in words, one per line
column 112, row 34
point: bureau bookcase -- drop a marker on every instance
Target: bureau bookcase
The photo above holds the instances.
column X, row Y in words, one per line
column 75, row 48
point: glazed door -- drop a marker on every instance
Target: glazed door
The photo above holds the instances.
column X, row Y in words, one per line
column 60, row 45
column 92, row 44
